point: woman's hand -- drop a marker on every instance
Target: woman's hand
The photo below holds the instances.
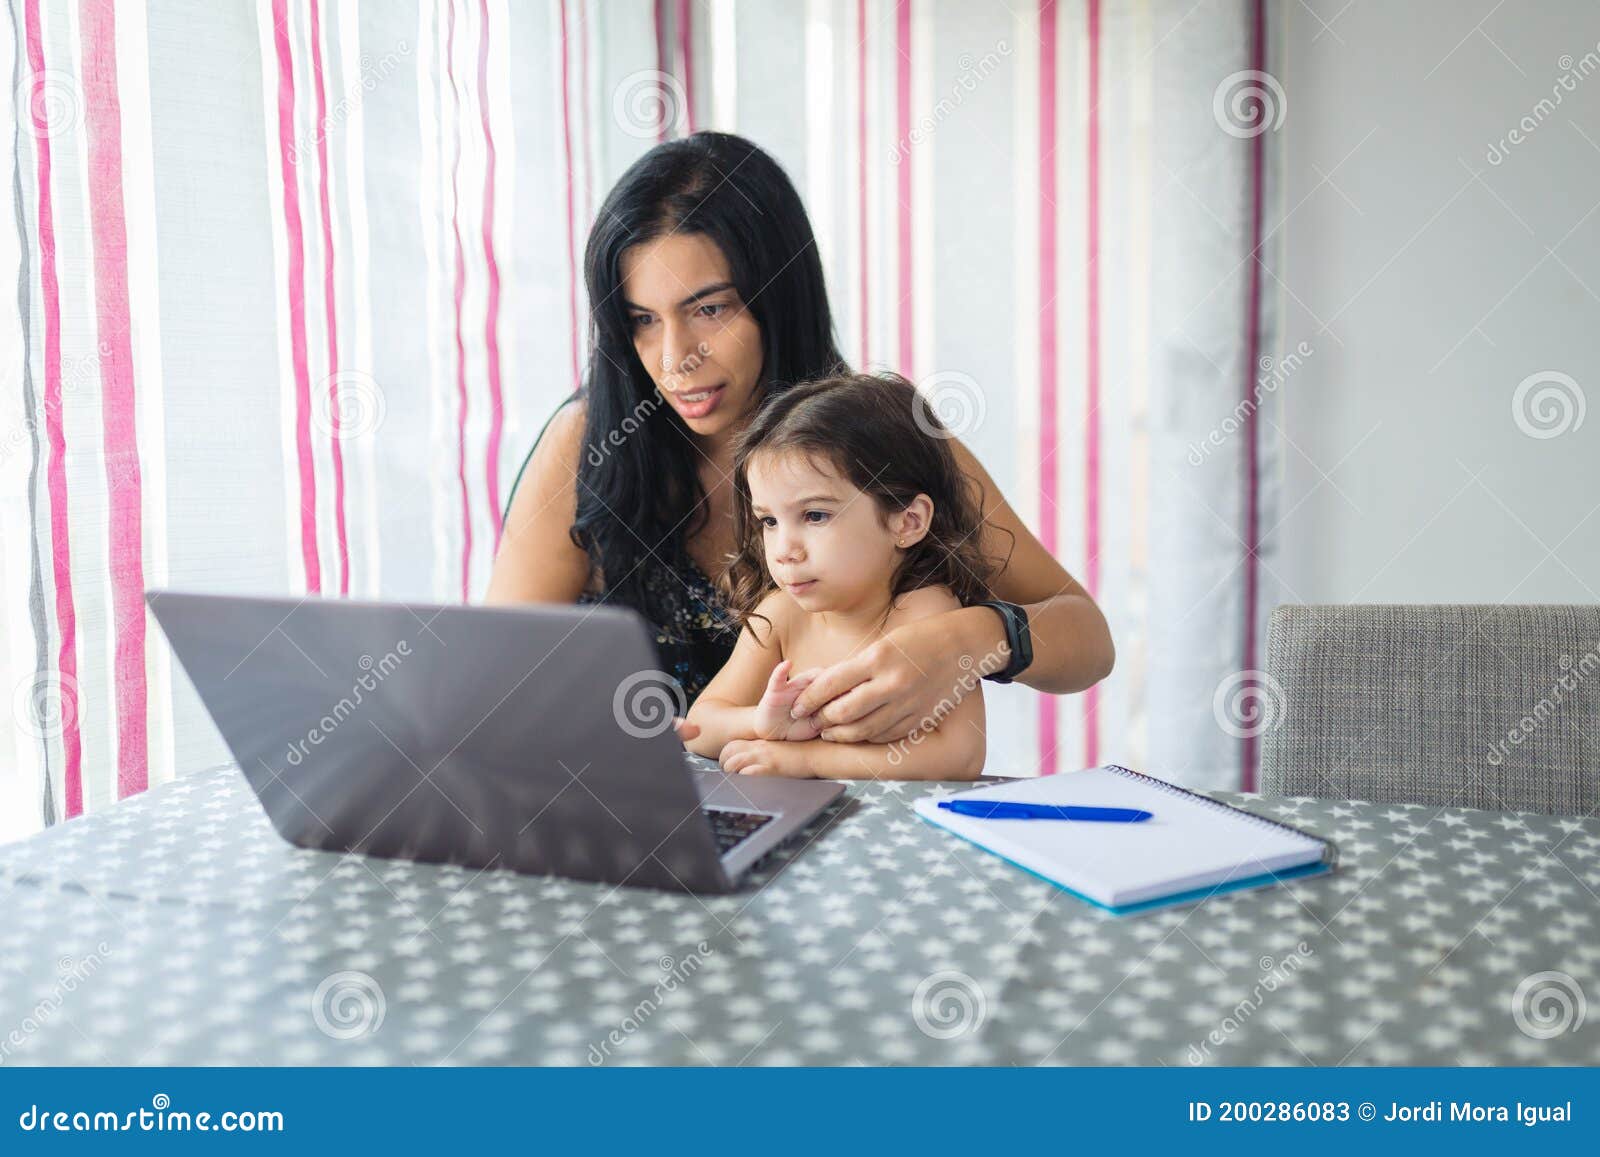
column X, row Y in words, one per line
column 772, row 718
column 766, row 757
column 908, row 681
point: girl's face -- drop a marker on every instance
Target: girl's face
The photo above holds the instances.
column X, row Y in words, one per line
column 826, row 542
column 694, row 335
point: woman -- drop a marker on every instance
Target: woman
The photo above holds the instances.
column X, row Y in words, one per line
column 707, row 294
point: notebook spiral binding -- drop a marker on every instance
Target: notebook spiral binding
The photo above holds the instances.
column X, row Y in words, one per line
column 1330, row 850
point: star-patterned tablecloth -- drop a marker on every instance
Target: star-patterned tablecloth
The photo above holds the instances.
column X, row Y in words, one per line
column 177, row 928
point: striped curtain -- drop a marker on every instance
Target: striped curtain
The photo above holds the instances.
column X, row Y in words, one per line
column 297, row 282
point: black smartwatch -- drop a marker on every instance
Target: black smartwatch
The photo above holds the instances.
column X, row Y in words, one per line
column 1018, row 640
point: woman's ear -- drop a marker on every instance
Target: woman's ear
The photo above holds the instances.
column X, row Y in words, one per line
column 911, row 525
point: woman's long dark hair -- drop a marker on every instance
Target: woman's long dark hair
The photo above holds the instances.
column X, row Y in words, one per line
column 639, row 496
column 878, row 433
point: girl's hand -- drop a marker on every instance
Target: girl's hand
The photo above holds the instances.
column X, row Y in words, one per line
column 686, row 730
column 765, row 757
column 772, row 718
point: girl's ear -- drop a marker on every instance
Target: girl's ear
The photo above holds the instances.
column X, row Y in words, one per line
column 911, row 525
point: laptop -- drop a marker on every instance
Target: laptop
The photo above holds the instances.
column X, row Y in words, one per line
column 534, row 738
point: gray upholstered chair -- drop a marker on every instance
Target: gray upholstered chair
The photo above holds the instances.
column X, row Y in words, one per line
column 1468, row 706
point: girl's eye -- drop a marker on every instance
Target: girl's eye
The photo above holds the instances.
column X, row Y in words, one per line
column 769, row 522
column 816, row 517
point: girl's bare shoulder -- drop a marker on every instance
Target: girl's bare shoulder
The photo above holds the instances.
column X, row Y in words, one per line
column 774, row 620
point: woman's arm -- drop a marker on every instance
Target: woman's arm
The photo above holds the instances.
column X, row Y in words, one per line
column 880, row 694
column 1072, row 646
column 538, row 562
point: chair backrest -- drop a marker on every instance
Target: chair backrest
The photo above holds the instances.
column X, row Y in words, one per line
column 1468, row 706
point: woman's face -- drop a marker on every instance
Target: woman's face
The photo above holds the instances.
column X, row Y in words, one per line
column 694, row 335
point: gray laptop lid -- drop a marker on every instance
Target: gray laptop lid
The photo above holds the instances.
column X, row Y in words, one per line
column 482, row 736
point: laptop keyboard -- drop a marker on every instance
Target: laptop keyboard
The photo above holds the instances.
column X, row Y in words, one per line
column 732, row 828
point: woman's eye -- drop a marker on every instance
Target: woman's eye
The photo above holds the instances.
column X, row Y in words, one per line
column 639, row 320
column 712, row 308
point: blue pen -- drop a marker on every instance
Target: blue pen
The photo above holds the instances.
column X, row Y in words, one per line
column 1001, row 810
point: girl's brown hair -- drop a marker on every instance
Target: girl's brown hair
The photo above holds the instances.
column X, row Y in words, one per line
column 880, row 434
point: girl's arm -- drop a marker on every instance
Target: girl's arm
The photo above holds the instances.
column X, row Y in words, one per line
column 954, row 748
column 726, row 709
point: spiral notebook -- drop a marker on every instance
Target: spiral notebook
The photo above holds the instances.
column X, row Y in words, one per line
column 1192, row 847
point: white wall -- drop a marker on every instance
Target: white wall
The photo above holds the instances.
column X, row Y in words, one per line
column 1430, row 283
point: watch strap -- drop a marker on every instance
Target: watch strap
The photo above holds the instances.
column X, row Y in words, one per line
column 1018, row 640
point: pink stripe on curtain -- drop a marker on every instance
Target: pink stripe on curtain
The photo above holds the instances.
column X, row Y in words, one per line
column 686, row 50
column 118, row 405
column 902, row 103
column 1047, row 333
column 55, row 434
column 1252, row 352
column 460, row 296
column 491, row 325
column 329, row 301
column 297, row 296
column 861, row 176
column 1091, row 519
column 572, row 244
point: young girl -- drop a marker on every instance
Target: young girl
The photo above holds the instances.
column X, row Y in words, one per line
column 852, row 519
